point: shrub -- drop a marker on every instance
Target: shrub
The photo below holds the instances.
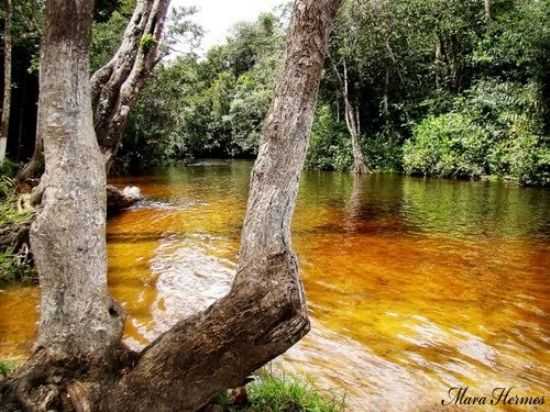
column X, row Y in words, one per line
column 331, row 149
column 8, row 168
column 495, row 128
column 535, row 171
column 384, row 151
column 277, row 394
column 449, row 145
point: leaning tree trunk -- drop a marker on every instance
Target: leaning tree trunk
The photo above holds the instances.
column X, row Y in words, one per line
column 353, row 122
column 265, row 312
column 263, row 315
column 6, row 105
column 115, row 87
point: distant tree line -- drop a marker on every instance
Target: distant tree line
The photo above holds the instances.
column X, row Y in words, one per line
column 426, row 87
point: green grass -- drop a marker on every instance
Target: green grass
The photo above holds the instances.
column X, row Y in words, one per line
column 6, row 367
column 270, row 393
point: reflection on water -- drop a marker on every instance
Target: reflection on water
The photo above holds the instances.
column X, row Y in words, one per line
column 414, row 285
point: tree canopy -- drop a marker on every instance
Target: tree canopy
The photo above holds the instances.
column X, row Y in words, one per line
column 419, row 71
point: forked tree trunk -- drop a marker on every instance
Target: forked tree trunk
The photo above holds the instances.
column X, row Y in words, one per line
column 6, row 105
column 263, row 315
column 116, row 86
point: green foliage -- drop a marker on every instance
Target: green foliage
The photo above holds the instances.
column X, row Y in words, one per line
column 495, row 128
column 147, row 41
column 108, row 32
column 384, row 151
column 251, row 100
column 513, row 47
column 15, row 268
column 441, row 90
column 208, row 107
column 289, row 394
column 283, row 394
column 8, row 169
column 154, row 127
column 330, row 145
column 525, row 157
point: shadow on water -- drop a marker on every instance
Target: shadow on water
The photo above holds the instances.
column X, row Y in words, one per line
column 414, row 285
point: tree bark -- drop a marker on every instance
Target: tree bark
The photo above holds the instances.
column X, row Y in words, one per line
column 6, row 105
column 68, row 236
column 265, row 312
column 115, row 87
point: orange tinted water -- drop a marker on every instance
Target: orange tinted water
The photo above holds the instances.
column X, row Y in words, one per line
column 414, row 285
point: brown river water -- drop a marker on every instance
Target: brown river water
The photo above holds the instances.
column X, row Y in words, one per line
column 414, row 285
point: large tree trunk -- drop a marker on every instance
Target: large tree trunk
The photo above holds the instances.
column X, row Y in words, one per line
column 115, row 87
column 6, row 105
column 68, row 236
column 265, row 312
column 353, row 122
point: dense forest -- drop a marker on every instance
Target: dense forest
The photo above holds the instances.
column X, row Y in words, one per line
column 452, row 89
column 431, row 88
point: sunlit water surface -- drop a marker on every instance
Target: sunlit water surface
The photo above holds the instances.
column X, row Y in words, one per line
column 414, row 285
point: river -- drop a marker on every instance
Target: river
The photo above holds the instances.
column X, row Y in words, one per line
column 414, row 285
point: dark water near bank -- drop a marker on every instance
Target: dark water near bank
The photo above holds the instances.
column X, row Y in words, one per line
column 414, row 285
